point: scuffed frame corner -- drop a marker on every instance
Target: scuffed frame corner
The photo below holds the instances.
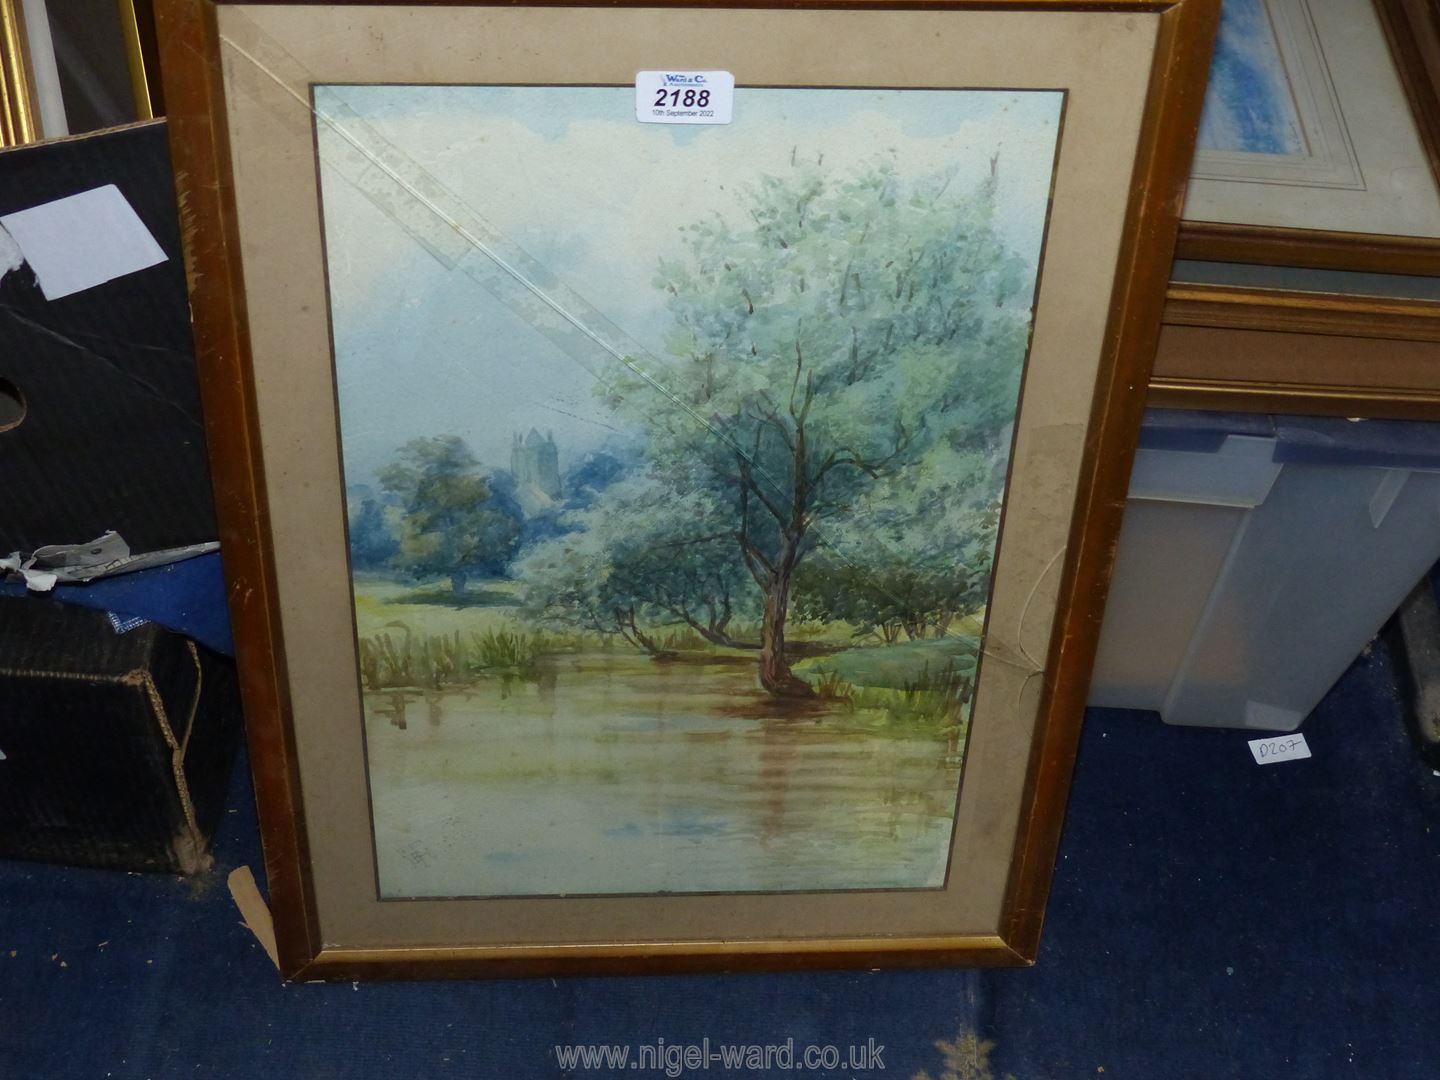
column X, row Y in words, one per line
column 200, row 154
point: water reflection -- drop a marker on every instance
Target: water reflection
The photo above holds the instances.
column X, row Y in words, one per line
column 608, row 773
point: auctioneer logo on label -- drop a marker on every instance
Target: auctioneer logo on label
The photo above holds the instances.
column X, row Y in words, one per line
column 684, row 97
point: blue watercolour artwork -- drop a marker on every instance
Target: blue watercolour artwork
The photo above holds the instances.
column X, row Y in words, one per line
column 1249, row 107
column 589, row 666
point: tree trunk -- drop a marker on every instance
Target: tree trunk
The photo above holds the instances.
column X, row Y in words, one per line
column 636, row 636
column 457, row 583
column 775, row 673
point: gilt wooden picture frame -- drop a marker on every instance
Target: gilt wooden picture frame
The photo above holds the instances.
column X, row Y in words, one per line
column 657, row 546
column 1318, row 140
column 1306, row 278
column 52, row 85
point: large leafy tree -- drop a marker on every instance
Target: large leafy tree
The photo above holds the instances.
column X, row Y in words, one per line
column 648, row 552
column 452, row 525
column 915, row 554
column 825, row 339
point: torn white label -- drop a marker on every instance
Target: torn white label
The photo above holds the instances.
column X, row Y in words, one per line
column 36, row 580
column 1281, row 748
column 82, row 241
column 39, row 580
column 11, row 257
column 107, row 554
column 2, row 755
column 684, row 97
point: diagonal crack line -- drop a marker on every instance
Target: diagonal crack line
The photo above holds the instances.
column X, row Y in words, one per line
column 135, row 380
column 168, row 351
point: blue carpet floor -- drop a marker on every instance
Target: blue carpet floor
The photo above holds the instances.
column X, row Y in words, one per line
column 1210, row 919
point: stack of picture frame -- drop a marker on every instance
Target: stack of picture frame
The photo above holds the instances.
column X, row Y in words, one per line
column 1307, row 277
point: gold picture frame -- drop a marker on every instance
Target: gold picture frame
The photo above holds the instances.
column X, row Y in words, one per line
column 32, row 106
column 1360, row 67
column 19, row 121
column 257, row 92
column 1317, row 313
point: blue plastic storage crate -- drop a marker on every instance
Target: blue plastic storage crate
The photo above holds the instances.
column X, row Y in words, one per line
column 1259, row 555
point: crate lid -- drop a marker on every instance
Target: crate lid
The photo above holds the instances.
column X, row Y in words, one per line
column 1306, row 440
column 1334, row 440
column 1199, row 432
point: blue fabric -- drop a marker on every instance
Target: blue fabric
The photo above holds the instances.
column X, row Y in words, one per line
column 1218, row 919
column 1210, row 919
column 188, row 597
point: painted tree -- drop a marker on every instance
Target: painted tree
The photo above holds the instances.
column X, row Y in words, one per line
column 569, row 581
column 826, row 337
column 372, row 540
column 451, row 525
column 915, row 553
column 646, row 554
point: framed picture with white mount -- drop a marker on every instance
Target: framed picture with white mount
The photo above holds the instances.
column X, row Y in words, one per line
column 1318, row 142
column 1313, row 212
column 662, row 538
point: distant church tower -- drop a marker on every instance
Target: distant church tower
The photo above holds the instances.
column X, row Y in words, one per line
column 535, row 464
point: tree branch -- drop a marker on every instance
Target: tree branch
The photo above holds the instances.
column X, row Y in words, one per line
column 795, row 382
column 871, row 467
column 761, row 569
column 748, row 484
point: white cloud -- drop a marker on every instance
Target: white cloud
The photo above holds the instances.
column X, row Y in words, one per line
column 600, row 203
column 598, row 198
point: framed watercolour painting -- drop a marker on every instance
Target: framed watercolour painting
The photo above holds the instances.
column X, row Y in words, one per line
column 1317, row 146
column 667, row 524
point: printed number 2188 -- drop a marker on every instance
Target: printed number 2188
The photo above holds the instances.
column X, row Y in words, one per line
column 688, row 98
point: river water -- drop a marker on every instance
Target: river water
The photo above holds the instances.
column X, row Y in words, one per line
column 612, row 773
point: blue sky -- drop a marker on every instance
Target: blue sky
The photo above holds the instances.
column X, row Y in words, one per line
column 570, row 177
column 1248, row 104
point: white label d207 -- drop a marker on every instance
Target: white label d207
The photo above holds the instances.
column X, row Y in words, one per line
column 684, row 97
column 1281, row 748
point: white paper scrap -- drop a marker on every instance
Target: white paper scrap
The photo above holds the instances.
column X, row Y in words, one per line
column 684, row 97
column 1280, row 748
column 39, row 580
column 11, row 257
column 83, row 240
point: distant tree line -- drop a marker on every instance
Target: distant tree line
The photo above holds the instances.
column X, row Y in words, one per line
column 440, row 516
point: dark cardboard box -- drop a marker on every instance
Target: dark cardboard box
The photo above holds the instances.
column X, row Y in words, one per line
column 110, row 436
column 117, row 745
